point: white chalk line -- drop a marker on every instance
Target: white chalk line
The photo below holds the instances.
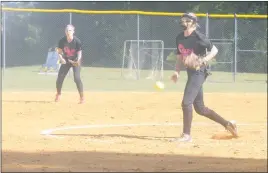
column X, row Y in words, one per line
column 101, row 141
column 48, row 132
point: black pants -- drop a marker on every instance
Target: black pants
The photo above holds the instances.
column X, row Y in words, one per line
column 64, row 69
column 193, row 95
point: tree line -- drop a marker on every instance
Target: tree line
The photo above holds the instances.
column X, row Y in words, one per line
column 29, row 31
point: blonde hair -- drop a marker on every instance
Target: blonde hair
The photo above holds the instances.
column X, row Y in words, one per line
column 69, row 26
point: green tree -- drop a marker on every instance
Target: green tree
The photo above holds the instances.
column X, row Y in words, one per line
column 20, row 31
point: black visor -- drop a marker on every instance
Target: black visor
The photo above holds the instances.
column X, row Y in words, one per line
column 190, row 16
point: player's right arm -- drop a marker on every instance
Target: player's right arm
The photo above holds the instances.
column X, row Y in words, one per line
column 178, row 64
column 60, row 52
column 211, row 48
column 176, row 74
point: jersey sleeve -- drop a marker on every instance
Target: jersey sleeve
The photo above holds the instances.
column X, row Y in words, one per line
column 177, row 46
column 78, row 45
column 60, row 47
column 61, row 44
column 205, row 42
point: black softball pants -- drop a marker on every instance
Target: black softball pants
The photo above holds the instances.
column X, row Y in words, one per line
column 64, row 68
column 193, row 95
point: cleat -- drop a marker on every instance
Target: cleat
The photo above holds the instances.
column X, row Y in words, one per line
column 57, row 98
column 82, row 100
column 183, row 138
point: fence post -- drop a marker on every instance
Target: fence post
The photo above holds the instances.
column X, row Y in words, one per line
column 207, row 26
column 235, row 47
column 138, row 39
column 70, row 22
column 4, row 43
column 70, row 18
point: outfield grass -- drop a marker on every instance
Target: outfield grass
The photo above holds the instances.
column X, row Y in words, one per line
column 109, row 79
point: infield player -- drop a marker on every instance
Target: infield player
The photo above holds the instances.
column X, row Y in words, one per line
column 194, row 51
column 70, row 55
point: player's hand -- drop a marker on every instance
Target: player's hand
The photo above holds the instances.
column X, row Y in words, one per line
column 175, row 77
column 74, row 63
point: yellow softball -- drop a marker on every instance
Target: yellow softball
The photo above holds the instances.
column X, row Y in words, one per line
column 159, row 85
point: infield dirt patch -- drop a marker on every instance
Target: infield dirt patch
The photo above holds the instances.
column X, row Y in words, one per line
column 141, row 140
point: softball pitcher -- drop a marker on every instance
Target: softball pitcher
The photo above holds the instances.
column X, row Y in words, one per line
column 194, row 50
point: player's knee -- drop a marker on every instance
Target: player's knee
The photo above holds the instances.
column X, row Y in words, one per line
column 60, row 78
column 77, row 79
column 186, row 105
column 62, row 74
column 201, row 110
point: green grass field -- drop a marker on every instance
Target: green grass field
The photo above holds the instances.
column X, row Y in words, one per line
column 109, row 79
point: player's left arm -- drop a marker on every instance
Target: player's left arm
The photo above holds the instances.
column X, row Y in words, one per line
column 79, row 51
column 79, row 56
column 212, row 50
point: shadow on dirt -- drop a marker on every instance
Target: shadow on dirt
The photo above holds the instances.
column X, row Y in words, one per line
column 219, row 136
column 102, row 161
column 161, row 138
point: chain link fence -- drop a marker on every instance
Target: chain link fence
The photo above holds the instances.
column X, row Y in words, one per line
column 252, row 46
column 242, row 43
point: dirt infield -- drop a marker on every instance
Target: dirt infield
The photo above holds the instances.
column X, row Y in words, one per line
column 126, row 131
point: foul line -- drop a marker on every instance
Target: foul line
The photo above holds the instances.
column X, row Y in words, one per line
column 49, row 131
